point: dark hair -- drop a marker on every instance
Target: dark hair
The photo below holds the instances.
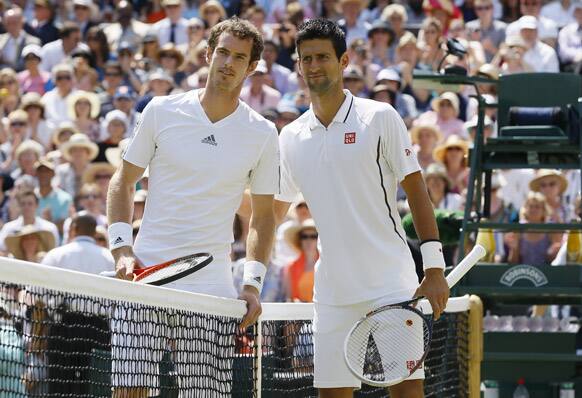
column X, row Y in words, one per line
column 241, row 29
column 84, row 225
column 68, row 28
column 321, row 28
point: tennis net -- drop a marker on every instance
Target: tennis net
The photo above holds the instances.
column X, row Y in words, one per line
column 68, row 334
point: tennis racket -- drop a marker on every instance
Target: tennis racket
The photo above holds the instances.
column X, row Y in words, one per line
column 391, row 342
column 170, row 271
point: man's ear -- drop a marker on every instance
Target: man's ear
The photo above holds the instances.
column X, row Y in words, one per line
column 209, row 52
column 252, row 67
column 344, row 60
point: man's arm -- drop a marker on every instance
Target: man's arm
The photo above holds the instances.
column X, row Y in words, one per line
column 434, row 285
column 281, row 210
column 259, row 244
column 120, row 210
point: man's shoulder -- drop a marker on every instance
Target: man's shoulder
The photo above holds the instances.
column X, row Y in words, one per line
column 298, row 125
column 255, row 120
column 368, row 109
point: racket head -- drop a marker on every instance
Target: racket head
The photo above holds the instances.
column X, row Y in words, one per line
column 389, row 344
column 172, row 270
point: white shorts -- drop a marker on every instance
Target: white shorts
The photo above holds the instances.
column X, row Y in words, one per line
column 331, row 325
column 141, row 337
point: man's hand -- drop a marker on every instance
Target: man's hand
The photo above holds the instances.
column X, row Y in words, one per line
column 435, row 288
column 252, row 297
column 125, row 262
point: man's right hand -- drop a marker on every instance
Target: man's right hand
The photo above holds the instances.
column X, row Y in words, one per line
column 125, row 262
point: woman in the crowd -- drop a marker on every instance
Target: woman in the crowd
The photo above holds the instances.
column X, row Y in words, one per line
column 533, row 248
column 32, row 78
column 299, row 274
column 17, row 126
column 30, row 244
column 425, row 139
column 453, row 155
column 86, row 78
column 99, row 46
column 115, row 128
column 552, row 184
column 84, row 108
column 38, row 128
column 212, row 12
column 444, row 114
column 99, row 173
column 431, row 40
column 438, row 185
column 170, row 60
column 27, row 154
column 380, row 39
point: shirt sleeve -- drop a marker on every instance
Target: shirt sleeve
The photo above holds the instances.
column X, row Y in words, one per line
column 289, row 189
column 265, row 176
column 396, row 147
column 50, row 259
column 142, row 146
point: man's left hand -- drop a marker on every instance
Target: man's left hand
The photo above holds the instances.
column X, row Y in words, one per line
column 435, row 288
column 252, row 297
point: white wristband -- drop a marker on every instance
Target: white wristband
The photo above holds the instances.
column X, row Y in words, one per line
column 254, row 275
column 120, row 234
column 432, row 254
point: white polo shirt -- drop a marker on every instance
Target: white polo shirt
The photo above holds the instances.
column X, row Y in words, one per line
column 348, row 174
column 198, row 172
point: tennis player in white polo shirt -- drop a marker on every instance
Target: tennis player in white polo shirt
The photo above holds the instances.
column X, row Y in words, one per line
column 347, row 156
column 202, row 148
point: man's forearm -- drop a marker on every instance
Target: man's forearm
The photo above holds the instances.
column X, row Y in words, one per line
column 420, row 207
column 260, row 238
column 119, row 201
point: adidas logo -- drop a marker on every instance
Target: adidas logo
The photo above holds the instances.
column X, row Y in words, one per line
column 257, row 278
column 209, row 140
column 118, row 240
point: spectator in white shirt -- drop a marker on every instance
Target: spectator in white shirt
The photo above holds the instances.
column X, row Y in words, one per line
column 547, row 29
column 279, row 74
column 30, row 243
column 14, row 40
column 56, row 108
column 28, row 204
column 82, row 254
column 540, row 56
column 570, row 39
column 559, row 11
column 55, row 52
column 173, row 28
column 258, row 95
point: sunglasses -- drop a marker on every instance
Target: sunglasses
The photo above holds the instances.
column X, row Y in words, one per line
column 90, row 196
column 548, row 184
column 483, row 8
column 103, row 176
column 112, row 74
column 18, row 124
column 308, row 236
column 63, row 77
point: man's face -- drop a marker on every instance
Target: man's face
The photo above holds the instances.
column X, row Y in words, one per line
column 13, row 22
column 82, row 13
column 173, row 12
column 44, row 175
column 124, row 104
column 484, row 10
column 73, row 39
column 229, row 63
column 270, row 54
column 79, row 154
column 28, row 206
column 351, row 9
column 530, row 36
column 319, row 65
column 112, row 77
column 531, row 7
column 64, row 81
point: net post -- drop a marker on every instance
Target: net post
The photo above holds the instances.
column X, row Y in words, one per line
column 475, row 345
column 259, row 353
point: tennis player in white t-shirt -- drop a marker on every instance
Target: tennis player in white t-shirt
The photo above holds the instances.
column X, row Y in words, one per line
column 202, row 148
column 347, row 156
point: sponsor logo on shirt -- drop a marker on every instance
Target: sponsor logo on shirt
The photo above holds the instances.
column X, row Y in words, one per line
column 350, row 138
column 209, row 140
column 408, row 152
column 411, row 364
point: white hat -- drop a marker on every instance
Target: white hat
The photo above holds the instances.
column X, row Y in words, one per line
column 528, row 22
column 487, row 122
column 388, row 74
column 83, row 3
column 116, row 114
column 262, row 67
column 79, row 140
column 33, row 49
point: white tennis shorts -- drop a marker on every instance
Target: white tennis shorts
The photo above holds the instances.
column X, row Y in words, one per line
column 331, row 325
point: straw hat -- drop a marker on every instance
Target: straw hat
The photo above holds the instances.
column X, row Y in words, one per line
column 64, row 126
column 47, row 240
column 80, row 94
column 488, row 70
column 115, row 154
column 415, row 131
column 31, row 99
column 292, row 234
column 44, row 162
column 453, row 141
column 534, row 184
column 439, row 171
column 171, row 50
column 29, row 145
column 212, row 4
column 89, row 176
column 79, row 140
column 446, row 96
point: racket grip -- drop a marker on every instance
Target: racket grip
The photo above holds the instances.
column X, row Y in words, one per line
column 465, row 265
column 108, row 274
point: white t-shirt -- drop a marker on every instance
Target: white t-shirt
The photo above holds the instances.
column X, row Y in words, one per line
column 349, row 174
column 83, row 255
column 198, row 172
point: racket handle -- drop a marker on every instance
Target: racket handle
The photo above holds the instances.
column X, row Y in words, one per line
column 108, row 274
column 465, row 265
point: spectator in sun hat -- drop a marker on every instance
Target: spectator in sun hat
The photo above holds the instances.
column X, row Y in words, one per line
column 383, row 93
column 12, row 42
column 540, row 56
column 17, row 126
column 55, row 101
column 380, row 39
column 403, row 103
column 174, row 28
column 444, row 114
column 299, row 273
column 38, row 128
column 62, row 133
column 552, row 184
column 425, row 139
column 54, row 203
column 30, row 243
column 115, row 127
column 258, row 94
column 170, row 60
column 212, row 12
column 78, row 152
column 453, row 154
column 439, row 187
column 124, row 100
column 547, row 30
column 99, row 173
column 354, row 27
column 27, row 153
column 83, row 110
column 126, row 27
column 32, row 78
column 354, row 80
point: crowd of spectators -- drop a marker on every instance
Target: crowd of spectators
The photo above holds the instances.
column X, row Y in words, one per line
column 75, row 75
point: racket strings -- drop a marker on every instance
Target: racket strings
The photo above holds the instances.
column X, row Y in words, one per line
column 169, row 270
column 388, row 346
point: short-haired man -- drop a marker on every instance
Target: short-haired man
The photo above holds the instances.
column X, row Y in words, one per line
column 489, row 31
column 14, row 40
column 57, row 51
column 347, row 156
column 202, row 148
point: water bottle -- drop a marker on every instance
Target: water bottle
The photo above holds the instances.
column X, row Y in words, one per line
column 486, row 239
column 567, row 390
column 521, row 391
column 573, row 246
column 490, row 389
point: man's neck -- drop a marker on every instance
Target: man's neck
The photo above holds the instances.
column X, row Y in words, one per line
column 326, row 105
column 63, row 93
column 27, row 220
column 16, row 35
column 486, row 22
column 218, row 104
column 565, row 4
column 79, row 168
column 45, row 190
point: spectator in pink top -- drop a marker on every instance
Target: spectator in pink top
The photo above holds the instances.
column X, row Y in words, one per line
column 32, row 78
column 444, row 115
column 258, row 95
